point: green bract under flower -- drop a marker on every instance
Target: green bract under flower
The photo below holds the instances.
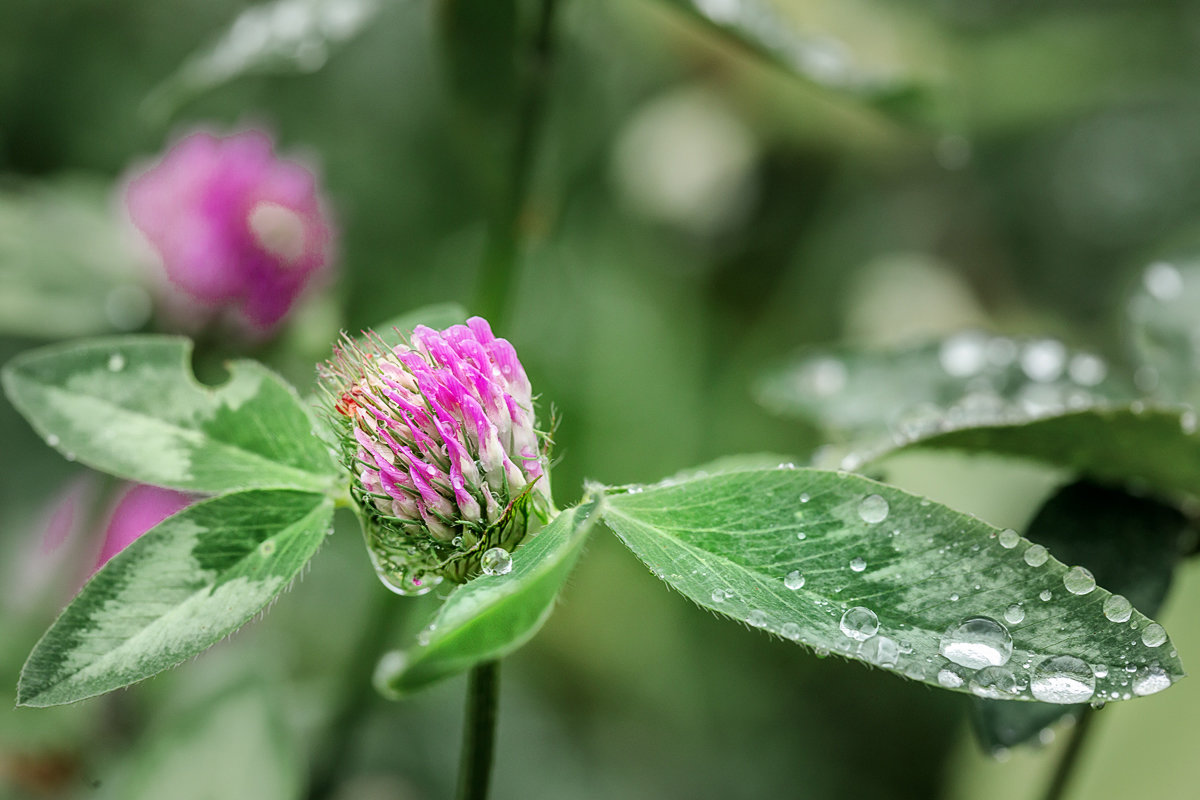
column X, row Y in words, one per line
column 441, row 440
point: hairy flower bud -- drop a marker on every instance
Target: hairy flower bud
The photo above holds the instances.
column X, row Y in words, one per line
column 446, row 461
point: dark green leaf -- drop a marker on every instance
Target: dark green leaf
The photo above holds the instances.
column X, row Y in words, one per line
column 182, row 587
column 764, row 29
column 967, row 379
column 492, row 615
column 872, row 555
column 1130, row 544
column 131, row 407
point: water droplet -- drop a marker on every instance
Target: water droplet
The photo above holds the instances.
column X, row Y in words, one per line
column 873, row 509
column 1043, row 360
column 880, row 650
column 1154, row 635
column 824, row 377
column 801, row 536
column 1087, row 370
column 1079, row 581
column 495, row 561
column 1187, row 422
column 996, row 683
column 52, row 440
column 794, row 580
column 977, row 642
column 718, row 595
column 915, row 671
column 1118, row 609
column 790, row 630
column 1045, row 595
column 949, row 678
column 1036, row 555
column 964, row 354
column 1063, row 679
column 860, row 623
column 858, row 565
column 267, row 548
column 1150, row 680
column 954, row 597
column 757, row 619
column 1163, row 281
column 804, row 497
column 1100, row 670
column 116, row 362
column 1014, row 614
column 1009, row 538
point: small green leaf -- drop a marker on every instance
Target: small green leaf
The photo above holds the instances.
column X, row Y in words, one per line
column 66, row 269
column 282, row 37
column 492, row 615
column 131, row 407
column 1130, row 544
column 844, row 564
column 183, row 586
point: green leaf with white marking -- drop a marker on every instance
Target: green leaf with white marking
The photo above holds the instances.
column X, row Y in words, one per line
column 131, row 407
column 1130, row 544
column 492, row 615
column 179, row 589
column 845, row 564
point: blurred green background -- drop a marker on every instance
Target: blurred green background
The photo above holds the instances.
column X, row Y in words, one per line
column 695, row 212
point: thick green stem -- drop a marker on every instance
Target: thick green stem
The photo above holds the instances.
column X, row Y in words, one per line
column 1057, row 789
column 479, row 732
column 504, row 233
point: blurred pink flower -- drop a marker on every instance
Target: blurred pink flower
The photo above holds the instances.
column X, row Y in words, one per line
column 235, row 227
column 138, row 509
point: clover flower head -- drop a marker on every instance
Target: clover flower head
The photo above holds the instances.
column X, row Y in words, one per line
column 238, row 230
column 447, row 463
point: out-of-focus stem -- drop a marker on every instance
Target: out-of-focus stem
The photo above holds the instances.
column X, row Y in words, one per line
column 504, row 234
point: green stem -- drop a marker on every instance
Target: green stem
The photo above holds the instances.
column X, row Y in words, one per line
column 504, row 234
column 479, row 732
column 357, row 694
column 1070, row 759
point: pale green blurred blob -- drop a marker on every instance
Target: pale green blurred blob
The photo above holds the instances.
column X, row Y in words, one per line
column 230, row 746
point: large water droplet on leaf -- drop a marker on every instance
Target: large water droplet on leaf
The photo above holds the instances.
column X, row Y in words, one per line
column 859, row 623
column 996, row 683
column 1118, row 609
column 873, row 509
column 1079, row 581
column 495, row 561
column 1063, row 679
column 977, row 642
